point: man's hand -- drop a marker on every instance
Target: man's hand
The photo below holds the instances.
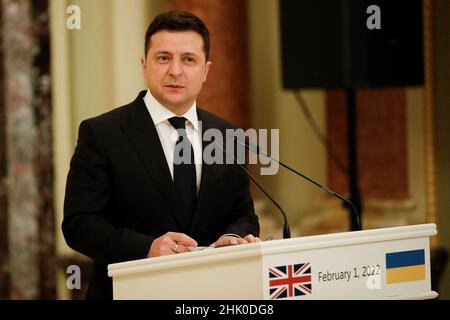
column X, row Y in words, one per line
column 171, row 243
column 230, row 240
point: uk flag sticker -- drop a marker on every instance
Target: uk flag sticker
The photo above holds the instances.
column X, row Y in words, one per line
column 290, row 281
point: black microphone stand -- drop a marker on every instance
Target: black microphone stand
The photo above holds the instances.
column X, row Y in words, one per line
column 286, row 229
column 354, row 211
column 355, row 196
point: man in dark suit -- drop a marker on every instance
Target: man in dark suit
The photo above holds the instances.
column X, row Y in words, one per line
column 127, row 195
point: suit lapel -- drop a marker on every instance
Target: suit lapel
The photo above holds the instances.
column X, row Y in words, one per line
column 143, row 136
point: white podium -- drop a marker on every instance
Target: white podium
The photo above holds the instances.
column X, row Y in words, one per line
column 389, row 263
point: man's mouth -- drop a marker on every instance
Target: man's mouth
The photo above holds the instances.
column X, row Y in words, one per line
column 174, row 86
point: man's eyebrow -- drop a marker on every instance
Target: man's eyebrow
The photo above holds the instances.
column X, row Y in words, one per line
column 187, row 53
column 162, row 52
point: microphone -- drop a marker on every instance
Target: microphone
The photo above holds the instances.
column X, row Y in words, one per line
column 286, row 229
column 257, row 150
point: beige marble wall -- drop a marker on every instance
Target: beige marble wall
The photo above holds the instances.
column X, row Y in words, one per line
column 4, row 247
column 28, row 187
column 21, row 138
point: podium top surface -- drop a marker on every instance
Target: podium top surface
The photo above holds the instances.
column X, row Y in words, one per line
column 272, row 247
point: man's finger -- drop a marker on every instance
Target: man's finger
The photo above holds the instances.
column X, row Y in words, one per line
column 229, row 241
column 182, row 238
column 181, row 249
column 241, row 241
column 250, row 238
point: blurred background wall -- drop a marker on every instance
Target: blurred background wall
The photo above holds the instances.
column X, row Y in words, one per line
column 51, row 78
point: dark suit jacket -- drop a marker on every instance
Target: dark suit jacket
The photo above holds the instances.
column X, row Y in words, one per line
column 120, row 195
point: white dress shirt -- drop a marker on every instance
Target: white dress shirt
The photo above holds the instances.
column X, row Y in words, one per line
column 168, row 135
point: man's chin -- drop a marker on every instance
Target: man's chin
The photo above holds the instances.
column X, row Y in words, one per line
column 177, row 104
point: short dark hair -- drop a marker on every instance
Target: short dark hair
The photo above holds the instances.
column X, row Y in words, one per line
column 178, row 21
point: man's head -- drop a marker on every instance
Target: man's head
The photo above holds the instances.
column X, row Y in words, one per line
column 178, row 21
column 176, row 64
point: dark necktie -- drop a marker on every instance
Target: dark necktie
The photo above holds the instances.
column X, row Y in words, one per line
column 184, row 176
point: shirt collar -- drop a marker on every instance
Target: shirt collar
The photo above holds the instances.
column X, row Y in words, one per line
column 159, row 113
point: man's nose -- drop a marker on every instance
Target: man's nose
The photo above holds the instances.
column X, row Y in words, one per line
column 176, row 67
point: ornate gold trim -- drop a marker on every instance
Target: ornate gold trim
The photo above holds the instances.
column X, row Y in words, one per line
column 429, row 106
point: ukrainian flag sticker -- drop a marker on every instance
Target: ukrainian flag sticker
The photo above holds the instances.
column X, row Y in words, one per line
column 405, row 266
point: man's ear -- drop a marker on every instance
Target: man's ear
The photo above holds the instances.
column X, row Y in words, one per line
column 207, row 68
column 143, row 64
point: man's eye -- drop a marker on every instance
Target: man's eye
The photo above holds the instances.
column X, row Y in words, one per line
column 163, row 58
column 190, row 59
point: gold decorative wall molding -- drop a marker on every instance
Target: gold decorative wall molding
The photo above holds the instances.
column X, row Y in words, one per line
column 429, row 116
